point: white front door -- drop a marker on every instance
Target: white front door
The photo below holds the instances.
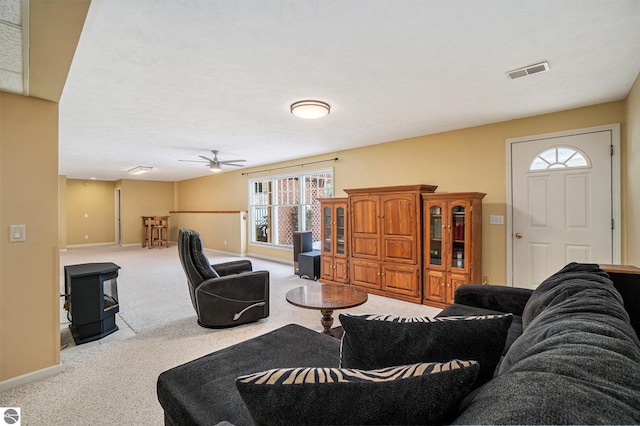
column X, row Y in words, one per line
column 562, row 203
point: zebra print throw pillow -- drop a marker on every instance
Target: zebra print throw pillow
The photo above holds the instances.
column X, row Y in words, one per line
column 408, row 394
column 377, row 341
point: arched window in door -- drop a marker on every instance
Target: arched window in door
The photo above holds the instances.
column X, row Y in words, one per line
column 560, row 157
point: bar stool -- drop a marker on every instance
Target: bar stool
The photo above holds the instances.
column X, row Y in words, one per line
column 160, row 231
column 147, row 231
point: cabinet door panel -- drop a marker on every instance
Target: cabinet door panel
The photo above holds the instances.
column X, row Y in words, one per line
column 326, row 268
column 365, row 227
column 435, row 235
column 399, row 250
column 364, row 213
column 436, row 286
column 326, row 234
column 366, row 274
column 366, row 247
column 401, row 280
column 340, row 224
column 341, row 271
column 459, row 234
column 455, row 281
column 399, row 215
column 400, row 227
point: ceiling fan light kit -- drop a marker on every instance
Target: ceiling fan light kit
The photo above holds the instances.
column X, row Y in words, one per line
column 310, row 109
column 139, row 170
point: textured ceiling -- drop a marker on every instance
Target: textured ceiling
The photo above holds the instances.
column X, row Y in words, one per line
column 153, row 82
column 11, row 46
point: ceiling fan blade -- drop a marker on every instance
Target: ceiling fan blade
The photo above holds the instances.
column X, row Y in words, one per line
column 207, row 158
column 231, row 164
column 194, row 161
column 232, row 161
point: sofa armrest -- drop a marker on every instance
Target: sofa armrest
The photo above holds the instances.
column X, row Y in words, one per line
column 492, row 297
column 233, row 267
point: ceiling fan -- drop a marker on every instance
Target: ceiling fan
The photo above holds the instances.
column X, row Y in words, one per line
column 215, row 165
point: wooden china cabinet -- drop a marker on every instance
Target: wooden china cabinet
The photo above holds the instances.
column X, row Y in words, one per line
column 386, row 240
column 334, row 254
column 452, row 244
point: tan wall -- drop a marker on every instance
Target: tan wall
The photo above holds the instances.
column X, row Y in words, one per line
column 90, row 212
column 631, row 176
column 142, row 198
column 96, row 199
column 29, row 271
column 220, row 231
column 471, row 159
column 62, row 212
column 227, row 191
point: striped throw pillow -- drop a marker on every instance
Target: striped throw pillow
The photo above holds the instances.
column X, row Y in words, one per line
column 408, row 394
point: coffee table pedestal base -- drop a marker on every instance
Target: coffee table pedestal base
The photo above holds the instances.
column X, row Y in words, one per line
column 327, row 320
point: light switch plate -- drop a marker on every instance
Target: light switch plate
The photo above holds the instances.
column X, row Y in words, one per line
column 496, row 220
column 17, row 233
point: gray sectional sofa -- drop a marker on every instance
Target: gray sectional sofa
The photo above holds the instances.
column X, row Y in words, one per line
column 567, row 355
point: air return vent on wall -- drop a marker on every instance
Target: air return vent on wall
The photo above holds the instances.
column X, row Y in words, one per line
column 531, row 69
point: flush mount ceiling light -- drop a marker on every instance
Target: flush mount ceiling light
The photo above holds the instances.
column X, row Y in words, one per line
column 139, row 170
column 310, row 109
column 531, row 69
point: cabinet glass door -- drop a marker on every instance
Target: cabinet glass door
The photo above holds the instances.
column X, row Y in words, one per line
column 340, row 230
column 435, row 235
column 326, row 231
column 457, row 236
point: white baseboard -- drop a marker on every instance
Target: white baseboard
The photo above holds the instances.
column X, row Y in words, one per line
column 34, row 376
column 257, row 256
column 273, row 259
column 112, row 243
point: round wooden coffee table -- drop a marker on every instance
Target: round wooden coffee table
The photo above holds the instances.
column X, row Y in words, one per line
column 326, row 298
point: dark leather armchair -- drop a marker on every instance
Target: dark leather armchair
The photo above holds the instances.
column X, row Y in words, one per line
column 226, row 294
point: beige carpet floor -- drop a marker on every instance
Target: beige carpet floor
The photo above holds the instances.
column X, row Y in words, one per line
column 113, row 381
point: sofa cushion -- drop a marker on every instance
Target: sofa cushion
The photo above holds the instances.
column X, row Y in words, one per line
column 577, row 361
column 493, row 297
column 426, row 393
column 515, row 330
column 377, row 341
column 573, row 278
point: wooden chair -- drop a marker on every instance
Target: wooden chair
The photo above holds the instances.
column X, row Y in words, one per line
column 160, row 231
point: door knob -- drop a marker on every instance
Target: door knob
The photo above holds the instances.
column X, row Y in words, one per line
column 518, row 235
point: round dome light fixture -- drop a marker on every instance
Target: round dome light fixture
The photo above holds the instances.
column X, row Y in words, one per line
column 310, row 109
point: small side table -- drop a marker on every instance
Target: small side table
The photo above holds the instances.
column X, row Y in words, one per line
column 326, row 298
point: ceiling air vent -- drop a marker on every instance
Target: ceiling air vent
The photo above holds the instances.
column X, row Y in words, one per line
column 531, row 69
